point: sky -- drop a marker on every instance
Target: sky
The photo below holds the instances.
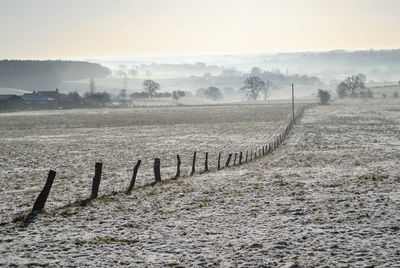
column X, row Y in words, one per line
column 71, row 29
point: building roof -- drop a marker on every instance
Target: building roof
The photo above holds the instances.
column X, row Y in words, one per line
column 30, row 97
column 52, row 94
column 6, row 96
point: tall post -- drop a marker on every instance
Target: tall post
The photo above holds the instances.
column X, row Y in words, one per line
column 234, row 161
column 178, row 166
column 96, row 180
column 132, row 184
column 206, row 163
column 157, row 172
column 219, row 161
column 193, row 164
column 247, row 155
column 293, row 102
column 240, row 158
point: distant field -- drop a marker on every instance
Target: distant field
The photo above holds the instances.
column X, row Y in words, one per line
column 387, row 90
column 71, row 141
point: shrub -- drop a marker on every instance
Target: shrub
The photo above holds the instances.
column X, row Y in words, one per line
column 323, row 96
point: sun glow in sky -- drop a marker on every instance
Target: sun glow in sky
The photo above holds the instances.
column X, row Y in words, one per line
column 42, row 29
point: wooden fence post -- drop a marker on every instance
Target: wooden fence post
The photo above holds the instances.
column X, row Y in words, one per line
column 219, row 161
column 228, row 160
column 247, row 155
column 132, row 184
column 178, row 167
column 42, row 197
column 251, row 155
column 234, row 161
column 206, row 163
column 96, row 180
column 157, row 171
column 240, row 158
column 263, row 151
column 193, row 164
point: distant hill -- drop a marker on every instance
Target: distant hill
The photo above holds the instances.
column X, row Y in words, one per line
column 13, row 91
column 46, row 75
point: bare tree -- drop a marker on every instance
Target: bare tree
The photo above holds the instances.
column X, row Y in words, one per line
column 151, row 87
column 351, row 83
column 213, row 93
column 133, row 72
column 120, row 73
column 92, row 86
column 266, row 89
column 256, row 71
column 252, row 87
column 123, row 97
column 148, row 74
column 175, row 95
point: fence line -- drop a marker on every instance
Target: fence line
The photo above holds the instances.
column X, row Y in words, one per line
column 263, row 151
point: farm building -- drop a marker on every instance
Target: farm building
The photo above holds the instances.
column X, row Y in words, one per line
column 55, row 95
column 38, row 100
column 10, row 101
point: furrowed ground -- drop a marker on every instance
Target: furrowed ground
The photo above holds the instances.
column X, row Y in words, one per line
column 71, row 141
column 329, row 196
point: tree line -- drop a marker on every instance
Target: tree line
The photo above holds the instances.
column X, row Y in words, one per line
column 46, row 75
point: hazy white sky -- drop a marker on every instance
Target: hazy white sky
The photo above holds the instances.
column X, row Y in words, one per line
column 41, row 29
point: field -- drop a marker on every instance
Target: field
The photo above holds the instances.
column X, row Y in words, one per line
column 328, row 197
column 71, row 141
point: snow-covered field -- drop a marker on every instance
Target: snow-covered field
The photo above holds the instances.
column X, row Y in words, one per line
column 71, row 141
column 329, row 196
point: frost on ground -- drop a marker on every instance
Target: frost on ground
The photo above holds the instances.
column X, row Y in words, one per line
column 71, row 141
column 329, row 196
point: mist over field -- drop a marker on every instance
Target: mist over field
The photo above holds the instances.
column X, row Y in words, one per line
column 190, row 73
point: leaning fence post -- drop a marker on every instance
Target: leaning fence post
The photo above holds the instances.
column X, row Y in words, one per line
column 240, row 158
column 263, row 151
column 234, row 161
column 42, row 197
column 193, row 164
column 219, row 161
column 247, row 155
column 228, row 160
column 96, row 180
column 132, row 184
column 178, row 167
column 206, row 162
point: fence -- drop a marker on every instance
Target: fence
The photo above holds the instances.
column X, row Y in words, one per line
column 233, row 159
